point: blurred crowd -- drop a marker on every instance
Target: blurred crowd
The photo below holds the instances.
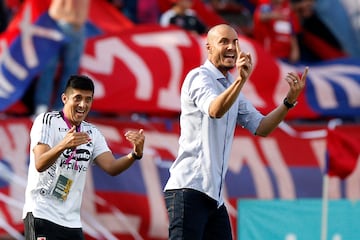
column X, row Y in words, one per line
column 291, row 30
column 294, row 31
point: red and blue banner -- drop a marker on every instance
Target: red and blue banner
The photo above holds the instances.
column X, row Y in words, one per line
column 287, row 165
column 25, row 48
column 33, row 37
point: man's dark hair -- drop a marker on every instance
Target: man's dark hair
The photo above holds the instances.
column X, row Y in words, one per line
column 80, row 82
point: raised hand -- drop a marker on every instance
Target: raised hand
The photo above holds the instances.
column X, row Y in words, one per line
column 137, row 138
column 296, row 84
column 243, row 63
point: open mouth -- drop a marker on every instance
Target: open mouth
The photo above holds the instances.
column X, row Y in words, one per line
column 229, row 56
column 80, row 112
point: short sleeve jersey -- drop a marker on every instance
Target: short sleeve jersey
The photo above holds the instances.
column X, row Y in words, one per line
column 56, row 193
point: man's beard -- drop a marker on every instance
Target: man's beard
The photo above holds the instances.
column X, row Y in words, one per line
column 224, row 68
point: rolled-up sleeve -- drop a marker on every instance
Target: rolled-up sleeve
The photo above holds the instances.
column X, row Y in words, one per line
column 201, row 90
column 248, row 116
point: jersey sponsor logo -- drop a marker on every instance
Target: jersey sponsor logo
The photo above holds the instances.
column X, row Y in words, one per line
column 80, row 154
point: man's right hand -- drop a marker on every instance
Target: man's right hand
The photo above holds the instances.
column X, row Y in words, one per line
column 243, row 63
column 73, row 138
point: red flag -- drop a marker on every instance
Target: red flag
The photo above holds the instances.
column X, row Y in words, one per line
column 342, row 153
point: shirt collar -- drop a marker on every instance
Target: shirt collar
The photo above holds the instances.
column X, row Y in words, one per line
column 216, row 72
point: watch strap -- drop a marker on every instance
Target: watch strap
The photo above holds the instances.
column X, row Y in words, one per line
column 289, row 105
column 135, row 156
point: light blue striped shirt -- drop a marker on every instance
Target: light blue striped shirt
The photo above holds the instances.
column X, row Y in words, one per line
column 205, row 142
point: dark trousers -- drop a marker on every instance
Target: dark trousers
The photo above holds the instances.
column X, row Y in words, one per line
column 195, row 216
column 36, row 228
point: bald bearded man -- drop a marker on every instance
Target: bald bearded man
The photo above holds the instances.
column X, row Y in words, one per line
column 211, row 106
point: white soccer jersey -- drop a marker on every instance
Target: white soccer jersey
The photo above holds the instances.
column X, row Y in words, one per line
column 56, row 193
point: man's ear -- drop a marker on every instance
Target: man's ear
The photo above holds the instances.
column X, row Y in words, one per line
column 63, row 98
column 208, row 48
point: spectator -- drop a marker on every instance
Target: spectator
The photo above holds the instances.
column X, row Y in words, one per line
column 63, row 146
column 274, row 30
column 70, row 16
column 3, row 16
column 348, row 28
column 148, row 11
column 237, row 13
column 316, row 40
column 181, row 15
column 127, row 7
column 248, row 4
column 8, row 9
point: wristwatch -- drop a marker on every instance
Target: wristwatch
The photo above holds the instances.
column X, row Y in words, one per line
column 289, row 105
column 135, row 156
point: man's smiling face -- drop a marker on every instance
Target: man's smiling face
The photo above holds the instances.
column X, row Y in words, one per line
column 77, row 104
column 221, row 46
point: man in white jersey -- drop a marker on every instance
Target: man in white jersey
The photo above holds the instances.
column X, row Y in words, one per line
column 211, row 106
column 63, row 146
